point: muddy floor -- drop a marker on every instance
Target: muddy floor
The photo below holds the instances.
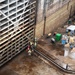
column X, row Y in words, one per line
column 26, row 65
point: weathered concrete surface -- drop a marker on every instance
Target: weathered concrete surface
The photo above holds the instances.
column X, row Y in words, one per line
column 25, row 65
column 56, row 19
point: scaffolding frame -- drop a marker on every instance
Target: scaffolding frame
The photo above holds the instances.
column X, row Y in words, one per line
column 17, row 20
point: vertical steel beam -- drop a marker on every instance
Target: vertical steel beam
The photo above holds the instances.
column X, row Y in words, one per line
column 35, row 17
column 44, row 14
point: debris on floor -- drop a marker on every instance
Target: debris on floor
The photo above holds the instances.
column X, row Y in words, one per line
column 61, row 45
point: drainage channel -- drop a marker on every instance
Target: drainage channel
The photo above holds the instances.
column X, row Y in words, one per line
column 51, row 60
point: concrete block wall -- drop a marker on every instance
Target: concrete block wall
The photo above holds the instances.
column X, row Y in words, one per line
column 56, row 19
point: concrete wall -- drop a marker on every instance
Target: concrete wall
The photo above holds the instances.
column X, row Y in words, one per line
column 56, row 19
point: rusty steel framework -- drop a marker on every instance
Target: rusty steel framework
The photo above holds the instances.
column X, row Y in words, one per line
column 17, row 20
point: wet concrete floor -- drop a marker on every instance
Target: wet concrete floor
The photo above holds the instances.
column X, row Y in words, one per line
column 26, row 65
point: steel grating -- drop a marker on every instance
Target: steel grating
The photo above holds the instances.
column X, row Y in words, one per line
column 17, row 19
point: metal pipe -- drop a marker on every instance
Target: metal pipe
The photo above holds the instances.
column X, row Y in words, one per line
column 44, row 14
column 35, row 17
column 51, row 60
